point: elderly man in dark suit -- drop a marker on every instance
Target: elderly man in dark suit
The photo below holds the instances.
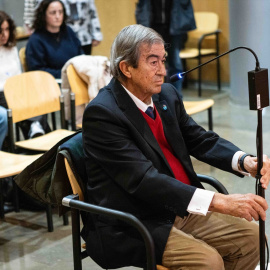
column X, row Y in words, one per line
column 138, row 161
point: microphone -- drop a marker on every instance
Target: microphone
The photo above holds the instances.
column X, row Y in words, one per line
column 176, row 77
column 257, row 80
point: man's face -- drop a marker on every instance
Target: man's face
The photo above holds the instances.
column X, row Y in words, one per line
column 147, row 78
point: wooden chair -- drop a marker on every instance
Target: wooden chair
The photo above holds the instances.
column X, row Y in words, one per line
column 23, row 59
column 77, row 204
column 21, row 33
column 79, row 94
column 11, row 165
column 32, row 94
column 207, row 29
column 25, row 69
column 193, row 107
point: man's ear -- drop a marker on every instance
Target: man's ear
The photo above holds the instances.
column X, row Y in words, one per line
column 125, row 68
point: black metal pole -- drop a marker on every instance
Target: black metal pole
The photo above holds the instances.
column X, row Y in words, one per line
column 254, row 76
column 260, row 188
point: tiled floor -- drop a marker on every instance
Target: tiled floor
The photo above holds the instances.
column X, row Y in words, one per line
column 26, row 244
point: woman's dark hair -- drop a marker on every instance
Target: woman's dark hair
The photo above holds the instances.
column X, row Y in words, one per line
column 12, row 29
column 40, row 15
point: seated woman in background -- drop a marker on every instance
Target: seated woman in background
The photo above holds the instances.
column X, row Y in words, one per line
column 10, row 66
column 53, row 43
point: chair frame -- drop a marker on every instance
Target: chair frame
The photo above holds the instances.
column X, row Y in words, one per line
column 78, row 87
column 193, row 107
column 15, row 206
column 11, row 165
column 72, row 201
column 11, row 129
column 200, row 55
column 16, row 164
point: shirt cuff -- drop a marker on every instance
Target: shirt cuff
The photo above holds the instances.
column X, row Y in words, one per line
column 200, row 202
column 235, row 163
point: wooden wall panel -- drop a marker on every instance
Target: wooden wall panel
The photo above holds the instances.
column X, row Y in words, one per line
column 115, row 14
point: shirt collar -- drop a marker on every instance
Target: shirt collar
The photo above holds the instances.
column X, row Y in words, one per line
column 141, row 105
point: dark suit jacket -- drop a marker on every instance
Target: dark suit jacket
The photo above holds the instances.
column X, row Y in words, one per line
column 127, row 170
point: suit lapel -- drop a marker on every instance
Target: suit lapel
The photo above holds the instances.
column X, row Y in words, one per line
column 173, row 135
column 134, row 115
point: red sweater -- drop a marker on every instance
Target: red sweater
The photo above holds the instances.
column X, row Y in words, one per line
column 157, row 130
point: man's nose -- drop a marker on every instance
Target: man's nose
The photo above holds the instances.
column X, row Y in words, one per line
column 4, row 33
column 161, row 69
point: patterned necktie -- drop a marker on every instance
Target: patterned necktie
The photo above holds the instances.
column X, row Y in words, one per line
column 150, row 112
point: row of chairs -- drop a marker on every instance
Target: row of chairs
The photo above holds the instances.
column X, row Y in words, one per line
column 28, row 95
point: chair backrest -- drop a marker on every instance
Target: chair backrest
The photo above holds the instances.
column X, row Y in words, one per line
column 23, row 59
column 78, row 86
column 76, row 189
column 206, row 22
column 32, row 94
column 75, row 165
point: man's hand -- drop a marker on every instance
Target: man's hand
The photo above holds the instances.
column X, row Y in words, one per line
column 248, row 206
column 250, row 164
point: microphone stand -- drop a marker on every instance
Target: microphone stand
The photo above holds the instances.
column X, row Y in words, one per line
column 258, row 99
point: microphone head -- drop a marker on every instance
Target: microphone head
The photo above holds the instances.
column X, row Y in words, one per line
column 176, row 77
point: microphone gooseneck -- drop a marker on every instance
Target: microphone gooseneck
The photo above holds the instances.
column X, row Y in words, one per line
column 179, row 76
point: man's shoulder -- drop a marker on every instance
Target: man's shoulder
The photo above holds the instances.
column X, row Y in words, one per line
column 104, row 97
column 168, row 91
column 37, row 35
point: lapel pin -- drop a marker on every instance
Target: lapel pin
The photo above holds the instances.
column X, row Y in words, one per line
column 164, row 107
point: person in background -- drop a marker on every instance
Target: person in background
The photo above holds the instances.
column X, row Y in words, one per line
column 137, row 141
column 3, row 125
column 82, row 17
column 53, row 43
column 10, row 66
column 172, row 19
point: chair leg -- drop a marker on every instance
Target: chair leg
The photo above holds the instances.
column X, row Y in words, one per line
column 72, row 111
column 76, row 239
column 53, row 120
column 218, row 75
column 65, row 219
column 2, row 211
column 10, row 132
column 210, row 119
column 17, row 132
column 199, row 79
column 218, row 62
column 15, row 197
column 49, row 218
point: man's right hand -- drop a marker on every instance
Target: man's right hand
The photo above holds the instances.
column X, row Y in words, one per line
column 248, row 206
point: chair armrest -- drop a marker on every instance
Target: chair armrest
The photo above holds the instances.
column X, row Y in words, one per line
column 203, row 36
column 72, row 202
column 213, row 182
